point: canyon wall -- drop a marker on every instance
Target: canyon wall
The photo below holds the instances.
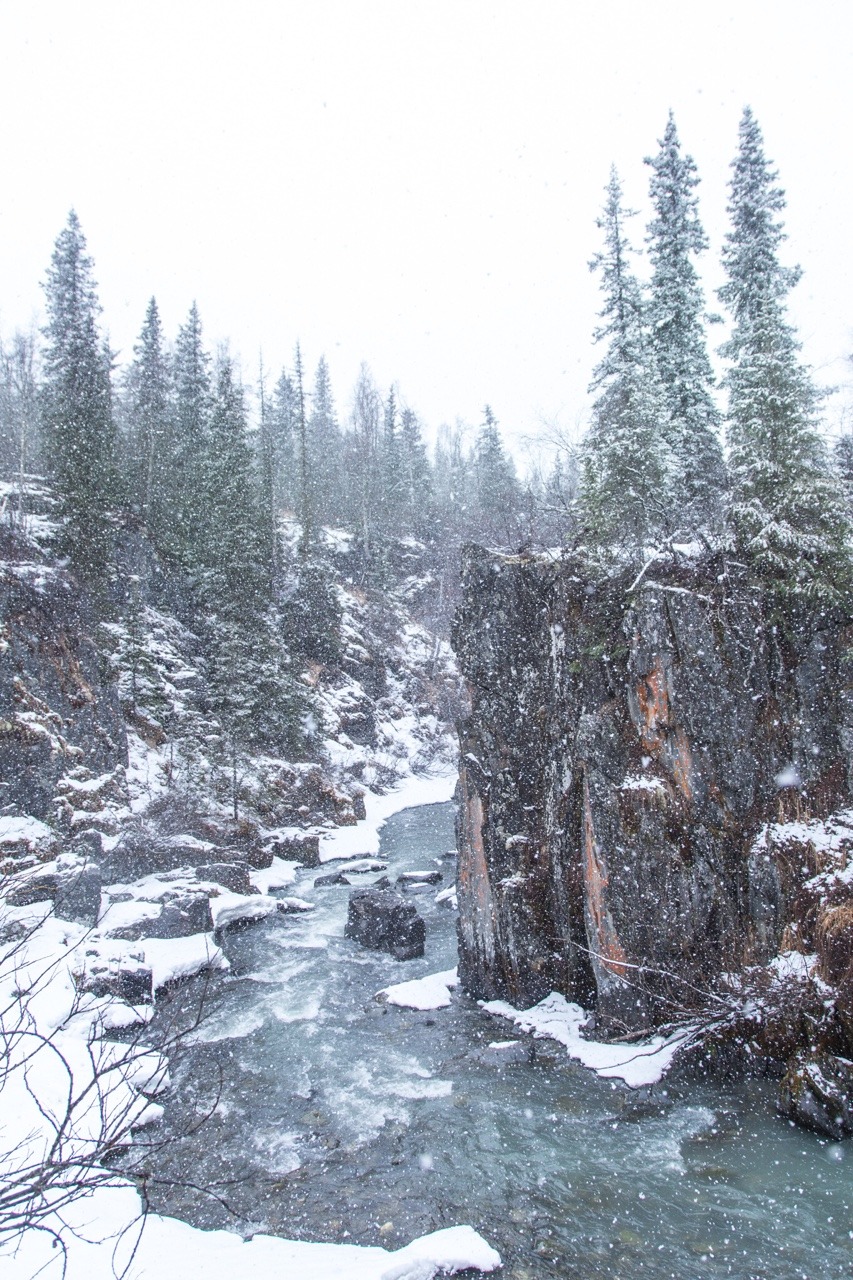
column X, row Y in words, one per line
column 627, row 745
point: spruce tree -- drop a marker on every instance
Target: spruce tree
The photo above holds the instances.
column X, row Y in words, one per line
column 268, row 498
column 417, row 476
column 281, row 417
column 78, row 417
column 149, row 408
column 252, row 695
column 677, row 337
column 186, row 481
column 392, row 487
column 307, row 494
column 625, row 495
column 325, row 448
column 785, row 503
column 363, row 454
column 231, row 550
column 497, row 488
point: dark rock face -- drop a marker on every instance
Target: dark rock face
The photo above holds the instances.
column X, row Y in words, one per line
column 384, row 921
column 56, row 709
column 419, row 877
column 623, row 750
column 127, row 979
column 304, row 849
column 817, row 1092
column 78, row 895
column 73, row 886
column 231, row 875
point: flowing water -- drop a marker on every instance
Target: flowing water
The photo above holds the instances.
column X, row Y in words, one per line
column 342, row 1118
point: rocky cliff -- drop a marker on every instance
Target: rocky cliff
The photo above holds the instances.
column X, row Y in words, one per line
column 60, row 721
column 639, row 771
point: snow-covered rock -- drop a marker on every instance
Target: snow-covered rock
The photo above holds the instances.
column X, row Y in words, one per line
column 431, row 992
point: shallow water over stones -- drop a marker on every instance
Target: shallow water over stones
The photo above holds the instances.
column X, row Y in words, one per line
column 343, row 1118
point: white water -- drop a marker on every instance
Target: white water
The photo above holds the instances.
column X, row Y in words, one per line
column 343, row 1118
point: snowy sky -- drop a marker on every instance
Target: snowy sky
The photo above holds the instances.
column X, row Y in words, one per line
column 413, row 183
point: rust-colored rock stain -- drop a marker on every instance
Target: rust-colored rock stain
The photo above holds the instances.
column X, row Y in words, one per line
column 473, row 872
column 656, row 733
column 606, row 942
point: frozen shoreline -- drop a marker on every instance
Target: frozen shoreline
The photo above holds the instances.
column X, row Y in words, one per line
column 363, row 837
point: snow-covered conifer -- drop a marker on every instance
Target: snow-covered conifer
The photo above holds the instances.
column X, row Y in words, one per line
column 624, row 498
column 149, row 412
column 677, row 337
column 325, row 447
column 189, row 439
column 786, row 506
column 78, row 403
column 497, row 488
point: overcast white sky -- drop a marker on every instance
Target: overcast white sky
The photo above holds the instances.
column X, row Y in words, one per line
column 411, row 183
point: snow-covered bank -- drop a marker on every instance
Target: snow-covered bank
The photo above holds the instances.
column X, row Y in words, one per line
column 555, row 1018
column 363, row 837
column 99, row 1227
column 104, row 1235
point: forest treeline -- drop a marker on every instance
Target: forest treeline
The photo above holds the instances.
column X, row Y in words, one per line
column 167, row 444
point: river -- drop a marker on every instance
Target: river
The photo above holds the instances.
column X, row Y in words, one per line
column 342, row 1118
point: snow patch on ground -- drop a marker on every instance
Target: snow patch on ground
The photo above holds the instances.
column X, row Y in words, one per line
column 106, row 1228
column 279, row 875
column 556, row 1018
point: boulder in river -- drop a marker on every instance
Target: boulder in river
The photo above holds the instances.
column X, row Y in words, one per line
column 817, row 1092
column 331, row 877
column 384, row 921
column 409, row 879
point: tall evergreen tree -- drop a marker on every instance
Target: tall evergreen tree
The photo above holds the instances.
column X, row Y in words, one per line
column 307, row 494
column 252, row 694
column 281, row 416
column 624, row 499
column 231, row 548
column 497, row 488
column 269, row 498
column 363, row 448
column 149, row 411
column 325, row 448
column 392, row 484
column 677, row 337
column 417, row 476
column 785, row 503
column 186, row 493
column 78, row 414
